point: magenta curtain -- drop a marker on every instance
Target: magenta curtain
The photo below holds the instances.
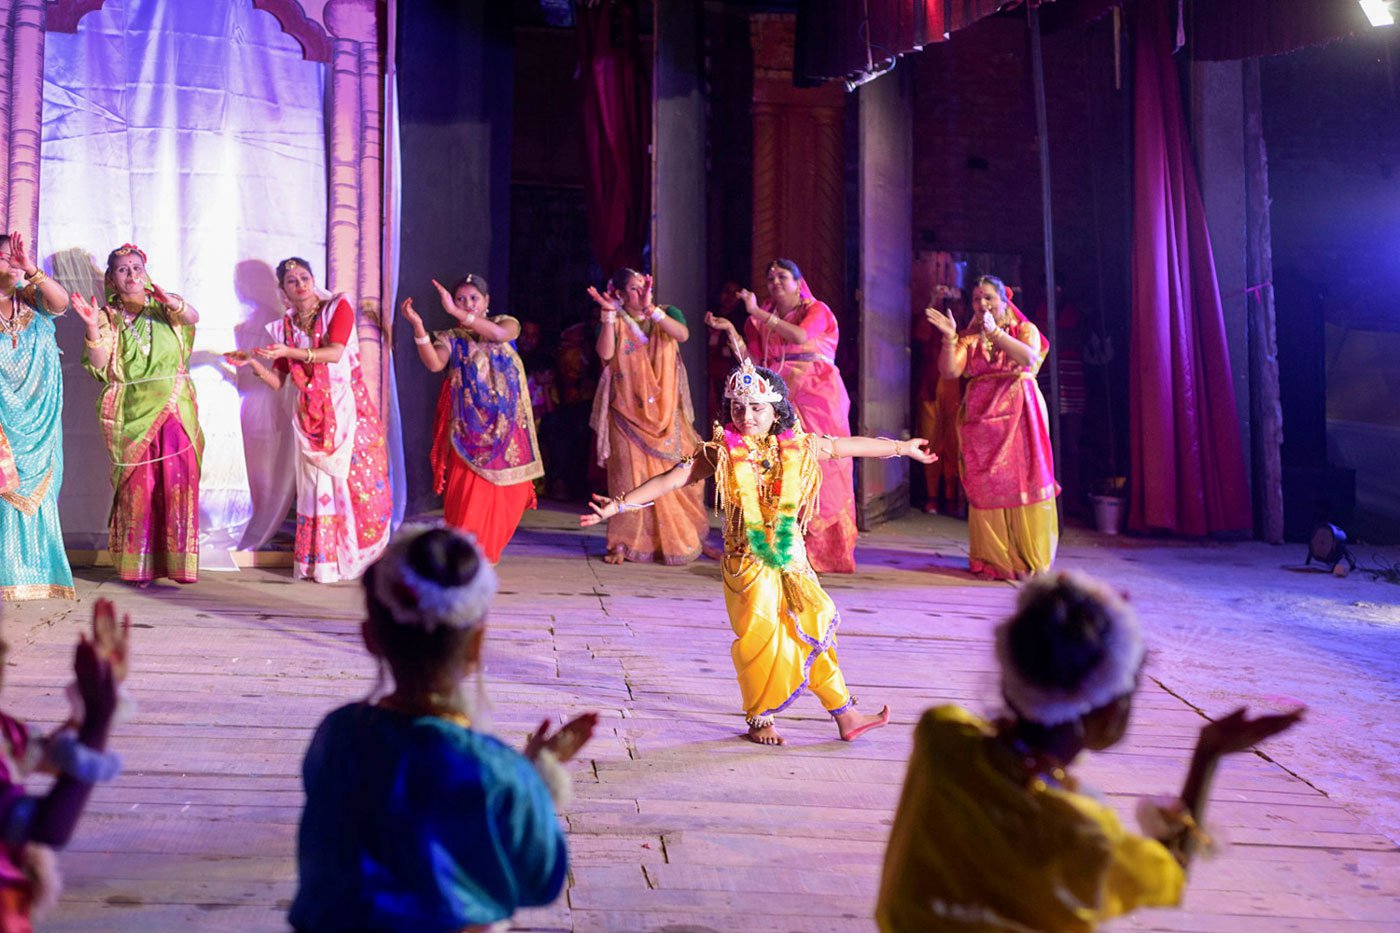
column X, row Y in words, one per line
column 1188, row 473
column 616, row 130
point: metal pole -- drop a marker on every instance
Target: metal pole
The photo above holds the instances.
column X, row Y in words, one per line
column 1047, row 221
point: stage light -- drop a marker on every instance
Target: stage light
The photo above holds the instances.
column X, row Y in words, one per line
column 1328, row 546
column 856, row 78
column 1379, row 12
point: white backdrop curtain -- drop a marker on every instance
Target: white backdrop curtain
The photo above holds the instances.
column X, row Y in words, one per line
column 196, row 131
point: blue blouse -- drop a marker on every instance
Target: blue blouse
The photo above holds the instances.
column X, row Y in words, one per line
column 417, row 823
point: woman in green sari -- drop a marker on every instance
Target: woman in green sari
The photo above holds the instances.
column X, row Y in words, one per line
column 138, row 344
column 33, row 563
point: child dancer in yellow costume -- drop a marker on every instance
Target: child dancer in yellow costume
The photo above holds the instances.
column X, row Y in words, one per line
column 768, row 476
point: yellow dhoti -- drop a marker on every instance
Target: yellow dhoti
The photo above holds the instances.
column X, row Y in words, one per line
column 784, row 637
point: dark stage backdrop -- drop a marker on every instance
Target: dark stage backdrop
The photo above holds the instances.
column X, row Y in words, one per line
column 456, row 87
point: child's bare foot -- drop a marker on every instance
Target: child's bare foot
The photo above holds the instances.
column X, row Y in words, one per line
column 852, row 725
column 765, row 735
column 614, row 556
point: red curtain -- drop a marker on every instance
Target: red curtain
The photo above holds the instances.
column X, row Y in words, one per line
column 1188, row 471
column 616, row 131
column 1230, row 29
column 836, row 38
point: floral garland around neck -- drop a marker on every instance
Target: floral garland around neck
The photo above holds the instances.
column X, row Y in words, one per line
column 771, row 542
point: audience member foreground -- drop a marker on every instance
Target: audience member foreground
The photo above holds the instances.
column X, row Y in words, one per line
column 679, row 821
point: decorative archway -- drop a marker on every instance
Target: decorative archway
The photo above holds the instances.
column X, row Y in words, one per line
column 348, row 35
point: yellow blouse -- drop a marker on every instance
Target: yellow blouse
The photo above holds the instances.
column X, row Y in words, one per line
column 974, row 849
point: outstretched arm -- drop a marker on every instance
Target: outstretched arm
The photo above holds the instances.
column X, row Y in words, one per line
column 684, row 473
column 916, row 448
column 1233, row 733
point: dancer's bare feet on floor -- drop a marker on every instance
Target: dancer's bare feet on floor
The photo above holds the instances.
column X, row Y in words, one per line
column 852, row 725
column 614, row 557
column 766, row 735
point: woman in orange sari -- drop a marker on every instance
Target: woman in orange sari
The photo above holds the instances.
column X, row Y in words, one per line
column 644, row 420
column 1007, row 467
column 795, row 335
column 485, row 455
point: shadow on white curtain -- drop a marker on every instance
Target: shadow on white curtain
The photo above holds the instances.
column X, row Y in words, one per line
column 196, row 131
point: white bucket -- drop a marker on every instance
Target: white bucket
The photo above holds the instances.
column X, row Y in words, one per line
column 1108, row 513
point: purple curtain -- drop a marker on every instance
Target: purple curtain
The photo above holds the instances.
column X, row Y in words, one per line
column 616, row 130
column 1188, row 473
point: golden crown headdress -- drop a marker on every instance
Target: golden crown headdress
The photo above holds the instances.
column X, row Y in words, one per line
column 747, row 384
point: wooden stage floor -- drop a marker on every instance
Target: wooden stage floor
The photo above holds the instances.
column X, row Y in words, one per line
column 680, row 825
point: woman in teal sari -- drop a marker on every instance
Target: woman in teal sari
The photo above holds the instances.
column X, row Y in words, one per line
column 33, row 563
column 138, row 345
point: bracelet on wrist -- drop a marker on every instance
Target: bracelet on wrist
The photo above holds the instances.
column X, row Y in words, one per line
column 609, row 317
column 310, row 355
column 423, row 341
column 656, row 314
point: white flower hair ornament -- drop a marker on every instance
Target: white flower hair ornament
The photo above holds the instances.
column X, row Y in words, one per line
column 747, row 384
column 426, row 604
column 1114, row 676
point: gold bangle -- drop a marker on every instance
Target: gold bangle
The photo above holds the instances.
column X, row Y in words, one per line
column 310, row 355
column 38, row 278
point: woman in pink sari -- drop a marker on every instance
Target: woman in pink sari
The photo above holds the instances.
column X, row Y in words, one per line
column 1007, row 466
column 795, row 335
column 343, row 496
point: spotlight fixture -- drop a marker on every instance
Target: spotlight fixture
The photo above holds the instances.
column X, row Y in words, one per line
column 856, row 78
column 1328, row 546
column 1379, row 12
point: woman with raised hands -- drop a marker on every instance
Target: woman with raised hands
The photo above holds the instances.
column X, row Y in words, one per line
column 138, row 345
column 1008, row 469
column 33, row 562
column 795, row 335
column 485, row 454
column 644, row 420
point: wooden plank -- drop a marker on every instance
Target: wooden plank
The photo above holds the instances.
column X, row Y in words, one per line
column 677, row 821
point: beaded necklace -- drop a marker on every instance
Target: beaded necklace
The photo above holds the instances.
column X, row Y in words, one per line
column 144, row 338
column 14, row 324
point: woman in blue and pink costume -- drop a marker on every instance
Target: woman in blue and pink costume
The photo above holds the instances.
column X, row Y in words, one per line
column 767, row 476
column 33, row 563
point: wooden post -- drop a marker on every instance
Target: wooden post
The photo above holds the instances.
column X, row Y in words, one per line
column 1265, row 406
column 886, row 265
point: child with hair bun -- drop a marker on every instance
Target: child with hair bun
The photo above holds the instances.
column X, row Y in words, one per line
column 992, row 832
column 414, row 819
